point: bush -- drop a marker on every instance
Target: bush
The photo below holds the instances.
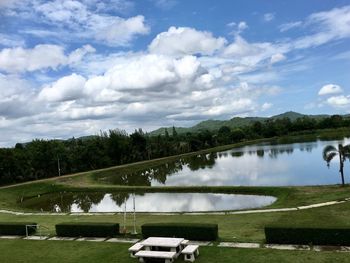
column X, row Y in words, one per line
column 307, row 235
column 17, row 228
column 194, row 231
column 87, row 229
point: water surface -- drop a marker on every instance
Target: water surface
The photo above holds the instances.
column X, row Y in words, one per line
column 265, row 164
column 148, row 202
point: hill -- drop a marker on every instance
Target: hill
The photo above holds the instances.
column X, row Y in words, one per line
column 236, row 122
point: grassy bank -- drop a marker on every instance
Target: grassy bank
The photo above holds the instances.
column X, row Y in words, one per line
column 67, row 251
column 242, row 227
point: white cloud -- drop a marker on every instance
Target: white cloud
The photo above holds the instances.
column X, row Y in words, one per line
column 81, row 21
column 119, row 31
column 66, row 88
column 185, row 41
column 269, row 17
column 330, row 89
column 40, row 57
column 266, row 106
column 277, row 58
column 242, row 26
column 339, row 101
column 10, row 41
column 291, row 25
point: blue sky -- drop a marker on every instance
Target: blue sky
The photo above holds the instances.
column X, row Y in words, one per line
column 73, row 68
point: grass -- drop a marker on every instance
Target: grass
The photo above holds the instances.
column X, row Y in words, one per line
column 72, row 251
column 243, row 227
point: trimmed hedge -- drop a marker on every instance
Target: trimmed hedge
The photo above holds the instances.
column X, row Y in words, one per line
column 87, row 229
column 193, row 231
column 307, row 235
column 17, row 229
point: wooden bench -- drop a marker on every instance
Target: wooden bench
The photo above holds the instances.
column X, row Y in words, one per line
column 190, row 252
column 134, row 249
column 167, row 256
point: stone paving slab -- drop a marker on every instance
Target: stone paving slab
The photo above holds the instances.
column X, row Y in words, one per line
column 11, row 237
column 122, row 240
column 36, row 237
column 199, row 243
column 239, row 245
column 93, row 239
column 62, row 238
column 287, row 247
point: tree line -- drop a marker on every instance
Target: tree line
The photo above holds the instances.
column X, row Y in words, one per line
column 40, row 159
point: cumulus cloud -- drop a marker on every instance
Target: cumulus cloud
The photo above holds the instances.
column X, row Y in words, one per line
column 185, row 41
column 330, row 89
column 40, row 57
column 339, row 101
column 66, row 88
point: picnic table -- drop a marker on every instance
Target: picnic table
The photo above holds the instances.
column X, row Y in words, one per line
column 163, row 248
column 163, row 243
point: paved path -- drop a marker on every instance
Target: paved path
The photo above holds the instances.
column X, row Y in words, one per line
column 200, row 243
column 204, row 213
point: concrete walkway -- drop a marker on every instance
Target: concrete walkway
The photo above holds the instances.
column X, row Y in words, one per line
column 194, row 213
column 200, row 243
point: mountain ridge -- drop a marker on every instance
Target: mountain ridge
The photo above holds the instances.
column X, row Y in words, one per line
column 235, row 122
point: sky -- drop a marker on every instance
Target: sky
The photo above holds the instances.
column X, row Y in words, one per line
column 75, row 68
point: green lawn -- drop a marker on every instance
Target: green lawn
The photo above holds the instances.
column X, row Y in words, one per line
column 16, row 251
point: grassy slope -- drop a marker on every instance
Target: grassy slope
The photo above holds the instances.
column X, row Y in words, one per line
column 244, row 227
column 86, row 252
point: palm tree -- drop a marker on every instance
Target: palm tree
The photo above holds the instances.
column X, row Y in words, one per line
column 329, row 152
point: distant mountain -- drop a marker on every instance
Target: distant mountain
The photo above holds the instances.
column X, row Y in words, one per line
column 236, row 122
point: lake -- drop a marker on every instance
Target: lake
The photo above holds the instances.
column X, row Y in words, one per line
column 264, row 164
column 147, row 202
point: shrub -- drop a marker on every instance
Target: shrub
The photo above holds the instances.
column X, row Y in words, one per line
column 194, row 231
column 17, row 228
column 307, row 235
column 87, row 229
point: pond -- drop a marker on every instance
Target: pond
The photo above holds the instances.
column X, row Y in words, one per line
column 147, row 202
column 265, row 164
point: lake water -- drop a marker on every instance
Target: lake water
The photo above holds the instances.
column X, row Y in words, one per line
column 148, row 202
column 265, row 164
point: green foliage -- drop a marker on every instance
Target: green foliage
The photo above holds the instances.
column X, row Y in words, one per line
column 87, row 229
column 307, row 235
column 41, row 159
column 17, row 228
column 192, row 231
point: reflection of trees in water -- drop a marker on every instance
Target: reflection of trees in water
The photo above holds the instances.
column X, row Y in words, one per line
column 159, row 172
column 201, row 161
column 63, row 202
column 260, row 153
column 237, row 154
column 120, row 198
column 85, row 201
column 274, row 152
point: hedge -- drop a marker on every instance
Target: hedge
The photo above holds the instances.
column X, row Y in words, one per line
column 87, row 229
column 307, row 235
column 193, row 231
column 10, row 228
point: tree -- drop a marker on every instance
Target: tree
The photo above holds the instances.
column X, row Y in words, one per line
column 329, row 152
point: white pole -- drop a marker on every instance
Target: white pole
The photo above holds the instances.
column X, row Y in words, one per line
column 58, row 166
column 125, row 216
column 134, row 214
